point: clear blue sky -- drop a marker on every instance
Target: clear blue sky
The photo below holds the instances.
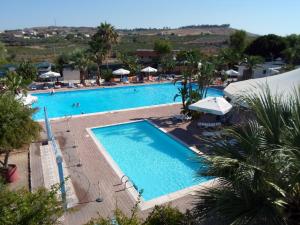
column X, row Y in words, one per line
column 258, row 16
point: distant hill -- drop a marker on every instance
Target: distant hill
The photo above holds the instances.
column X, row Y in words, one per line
column 223, row 29
column 45, row 43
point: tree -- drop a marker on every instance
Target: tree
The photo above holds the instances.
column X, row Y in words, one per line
column 165, row 215
column 228, row 58
column 268, row 46
column 251, row 63
column 160, row 215
column 60, row 61
column 257, row 166
column 204, row 78
column 167, row 64
column 80, row 61
column 14, row 83
column 24, row 207
column 16, row 126
column 162, row 47
column 27, row 71
column 3, row 53
column 130, row 62
column 238, row 41
column 101, row 44
column 292, row 53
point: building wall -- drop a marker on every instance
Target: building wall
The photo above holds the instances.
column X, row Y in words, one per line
column 71, row 75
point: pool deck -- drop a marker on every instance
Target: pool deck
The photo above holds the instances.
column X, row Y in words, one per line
column 96, row 178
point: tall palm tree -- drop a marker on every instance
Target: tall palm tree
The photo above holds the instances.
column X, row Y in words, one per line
column 257, row 165
column 80, row 60
column 101, row 45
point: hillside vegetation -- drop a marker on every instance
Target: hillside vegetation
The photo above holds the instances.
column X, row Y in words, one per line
column 207, row 38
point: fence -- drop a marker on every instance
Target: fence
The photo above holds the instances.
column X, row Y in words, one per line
column 58, row 157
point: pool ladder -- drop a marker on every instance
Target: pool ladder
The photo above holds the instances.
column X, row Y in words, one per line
column 125, row 180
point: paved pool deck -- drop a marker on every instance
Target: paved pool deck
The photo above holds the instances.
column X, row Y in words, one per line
column 95, row 178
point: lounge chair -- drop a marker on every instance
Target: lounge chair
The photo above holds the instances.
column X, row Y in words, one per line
column 57, row 86
column 181, row 118
column 79, row 85
column 45, row 87
column 206, row 125
column 211, row 133
column 33, row 88
column 70, row 85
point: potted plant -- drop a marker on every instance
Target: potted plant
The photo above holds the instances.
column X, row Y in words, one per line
column 16, row 129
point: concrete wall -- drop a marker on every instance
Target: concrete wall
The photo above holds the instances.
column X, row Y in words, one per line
column 71, row 75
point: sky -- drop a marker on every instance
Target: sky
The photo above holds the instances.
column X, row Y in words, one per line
column 256, row 16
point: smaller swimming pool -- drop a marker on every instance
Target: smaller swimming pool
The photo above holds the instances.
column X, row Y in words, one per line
column 154, row 161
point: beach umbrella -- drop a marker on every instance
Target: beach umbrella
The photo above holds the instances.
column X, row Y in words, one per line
column 149, row 69
column 26, row 100
column 49, row 74
column 121, row 72
column 232, row 73
column 213, row 105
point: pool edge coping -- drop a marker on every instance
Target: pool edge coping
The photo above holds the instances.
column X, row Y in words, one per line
column 107, row 112
column 144, row 205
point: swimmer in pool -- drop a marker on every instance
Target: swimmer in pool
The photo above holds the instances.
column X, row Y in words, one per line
column 77, row 104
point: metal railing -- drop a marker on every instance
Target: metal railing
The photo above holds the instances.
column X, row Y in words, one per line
column 58, row 157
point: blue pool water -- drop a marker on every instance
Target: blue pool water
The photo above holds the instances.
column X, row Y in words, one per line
column 107, row 99
column 153, row 160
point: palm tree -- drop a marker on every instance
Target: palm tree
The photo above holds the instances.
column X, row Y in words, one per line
column 257, row 164
column 101, row 45
column 60, row 61
column 80, row 60
column 14, row 83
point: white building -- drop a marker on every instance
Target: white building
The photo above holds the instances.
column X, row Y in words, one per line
column 263, row 70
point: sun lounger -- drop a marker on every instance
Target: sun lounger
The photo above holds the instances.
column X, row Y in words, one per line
column 206, row 125
column 79, row 85
column 57, row 86
column 45, row 87
column 33, row 88
column 181, row 118
column 211, row 133
column 71, row 85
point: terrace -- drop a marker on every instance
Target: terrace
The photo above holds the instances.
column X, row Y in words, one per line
column 96, row 169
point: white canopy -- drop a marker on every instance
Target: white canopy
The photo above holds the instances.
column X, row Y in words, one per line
column 149, row 69
column 49, row 74
column 27, row 100
column 284, row 84
column 121, row 72
column 232, row 73
column 213, row 105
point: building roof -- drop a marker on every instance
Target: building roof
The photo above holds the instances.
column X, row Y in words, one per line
column 283, row 84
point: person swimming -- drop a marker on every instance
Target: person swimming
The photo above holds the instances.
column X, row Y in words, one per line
column 77, row 104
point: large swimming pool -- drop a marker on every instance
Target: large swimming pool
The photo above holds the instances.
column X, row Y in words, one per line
column 107, row 99
column 154, row 161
